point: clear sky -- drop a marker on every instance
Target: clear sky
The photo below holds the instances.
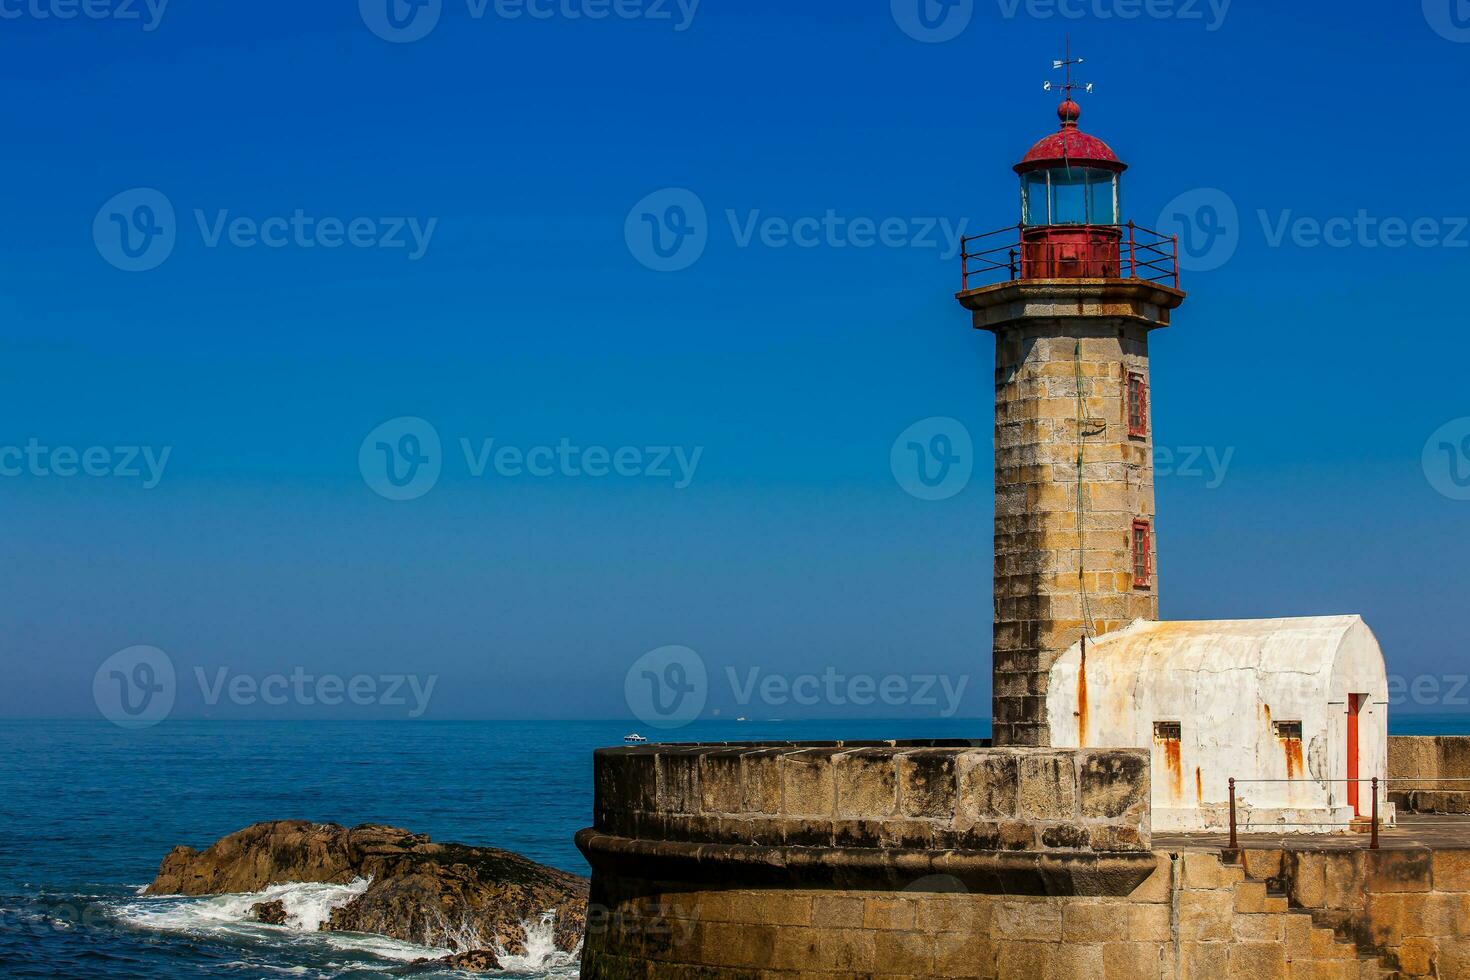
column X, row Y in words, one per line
column 471, row 251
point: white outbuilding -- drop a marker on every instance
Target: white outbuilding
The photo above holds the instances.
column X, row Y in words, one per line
column 1292, row 709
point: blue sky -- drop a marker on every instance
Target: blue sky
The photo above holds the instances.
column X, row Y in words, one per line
column 527, row 312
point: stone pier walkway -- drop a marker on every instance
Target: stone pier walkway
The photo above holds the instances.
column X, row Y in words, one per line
column 1413, row 831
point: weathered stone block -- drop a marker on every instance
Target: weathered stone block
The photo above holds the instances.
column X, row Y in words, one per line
column 1095, row 921
column 926, row 783
column 721, row 789
column 1205, row 916
column 1157, row 887
column 888, row 913
column 1204, row 961
column 1201, row 871
column 678, row 781
column 1386, row 871
column 866, row 783
column 1064, row 837
column 1116, row 837
column 1451, row 869
column 838, row 911
column 988, row 784
column 807, row 785
column 1021, row 920
column 1048, row 787
column 1150, row 923
column 1256, row 961
column 1133, row 961
column 761, row 776
column 1416, row 957
column 1114, row 782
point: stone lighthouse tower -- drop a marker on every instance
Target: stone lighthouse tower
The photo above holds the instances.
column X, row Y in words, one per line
column 1071, row 294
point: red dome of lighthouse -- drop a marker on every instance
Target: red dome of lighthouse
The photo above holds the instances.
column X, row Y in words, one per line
column 1069, row 146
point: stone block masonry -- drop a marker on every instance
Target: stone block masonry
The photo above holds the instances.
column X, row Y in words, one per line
column 1407, row 908
column 1190, row 917
column 917, row 796
column 1429, row 774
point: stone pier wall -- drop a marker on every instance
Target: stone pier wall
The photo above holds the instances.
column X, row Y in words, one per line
column 1423, row 760
column 1191, row 917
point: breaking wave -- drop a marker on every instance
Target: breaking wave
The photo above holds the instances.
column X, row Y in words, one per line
column 228, row 919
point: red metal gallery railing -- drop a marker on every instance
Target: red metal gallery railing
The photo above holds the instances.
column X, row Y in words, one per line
column 1069, row 252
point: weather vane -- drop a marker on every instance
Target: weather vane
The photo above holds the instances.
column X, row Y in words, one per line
column 1066, row 64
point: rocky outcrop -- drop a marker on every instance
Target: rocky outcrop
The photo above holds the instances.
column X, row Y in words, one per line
column 449, row 895
column 270, row 913
column 474, row 961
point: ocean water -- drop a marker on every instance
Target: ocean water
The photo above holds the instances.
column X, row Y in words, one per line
column 88, row 810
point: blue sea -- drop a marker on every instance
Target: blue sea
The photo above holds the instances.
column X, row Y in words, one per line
column 88, row 810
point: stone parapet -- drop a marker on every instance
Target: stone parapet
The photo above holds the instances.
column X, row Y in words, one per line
column 892, row 796
column 1424, row 773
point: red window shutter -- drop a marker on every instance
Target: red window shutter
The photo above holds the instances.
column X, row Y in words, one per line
column 1142, row 555
column 1137, row 405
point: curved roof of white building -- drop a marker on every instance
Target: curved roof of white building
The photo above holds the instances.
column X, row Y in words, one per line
column 1300, row 645
column 1212, row 671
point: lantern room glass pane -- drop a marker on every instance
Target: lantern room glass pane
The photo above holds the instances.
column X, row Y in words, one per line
column 1069, row 196
column 1033, row 198
column 1101, row 199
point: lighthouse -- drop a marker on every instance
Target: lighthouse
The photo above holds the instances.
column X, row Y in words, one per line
column 1071, row 292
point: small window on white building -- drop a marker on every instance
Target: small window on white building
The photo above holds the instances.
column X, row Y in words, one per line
column 1288, row 729
column 1167, row 731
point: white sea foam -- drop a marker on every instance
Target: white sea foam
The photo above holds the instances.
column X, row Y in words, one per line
column 307, row 906
column 228, row 918
column 541, row 953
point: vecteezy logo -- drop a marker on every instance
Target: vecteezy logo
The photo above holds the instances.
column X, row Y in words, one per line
column 1208, row 225
column 667, row 687
column 135, row 230
column 933, row 21
column 401, row 459
column 1449, row 18
column 668, row 230
column 1446, row 459
column 933, row 458
column 401, row 21
column 135, row 688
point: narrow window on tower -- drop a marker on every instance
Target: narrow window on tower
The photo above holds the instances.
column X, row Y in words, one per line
column 1142, row 562
column 1137, row 405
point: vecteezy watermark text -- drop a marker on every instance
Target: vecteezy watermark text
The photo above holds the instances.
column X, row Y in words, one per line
column 35, row 459
column 406, row 21
column 842, row 690
column 937, row 21
column 669, row 230
column 669, row 687
column 138, row 687
column 403, row 458
column 306, row 689
column 147, row 13
column 1193, row 462
column 1209, row 228
column 137, row 230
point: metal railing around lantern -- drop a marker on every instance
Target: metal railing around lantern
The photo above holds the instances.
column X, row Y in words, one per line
column 1069, row 252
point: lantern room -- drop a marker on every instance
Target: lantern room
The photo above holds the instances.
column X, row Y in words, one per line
column 1070, row 202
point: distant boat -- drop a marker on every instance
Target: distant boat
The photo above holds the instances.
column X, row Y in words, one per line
column 741, row 718
column 634, row 737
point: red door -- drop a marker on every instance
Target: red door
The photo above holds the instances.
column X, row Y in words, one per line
column 1355, row 702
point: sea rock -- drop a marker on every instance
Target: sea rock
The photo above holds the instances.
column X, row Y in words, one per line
column 472, row 961
column 448, row 895
column 271, row 913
